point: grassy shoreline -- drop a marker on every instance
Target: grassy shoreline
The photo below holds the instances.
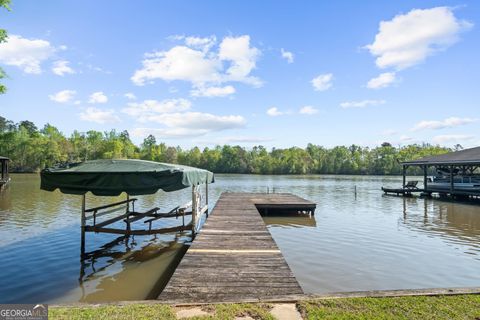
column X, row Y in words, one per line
column 462, row 306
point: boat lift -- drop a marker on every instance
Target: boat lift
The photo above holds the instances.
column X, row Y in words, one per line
column 133, row 177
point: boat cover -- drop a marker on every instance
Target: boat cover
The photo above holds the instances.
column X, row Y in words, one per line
column 112, row 177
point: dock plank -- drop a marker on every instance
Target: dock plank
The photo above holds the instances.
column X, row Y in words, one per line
column 234, row 257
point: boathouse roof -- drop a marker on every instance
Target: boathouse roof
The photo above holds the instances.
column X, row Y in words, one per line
column 4, row 158
column 463, row 157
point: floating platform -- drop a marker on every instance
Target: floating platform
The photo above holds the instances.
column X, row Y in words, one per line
column 442, row 192
column 402, row 191
column 234, row 257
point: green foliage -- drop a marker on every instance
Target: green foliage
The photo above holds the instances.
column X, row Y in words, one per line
column 3, row 37
column 32, row 149
column 5, row 4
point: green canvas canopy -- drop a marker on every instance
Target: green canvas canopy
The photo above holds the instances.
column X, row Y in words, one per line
column 112, row 177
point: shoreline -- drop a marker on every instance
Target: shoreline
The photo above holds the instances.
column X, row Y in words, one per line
column 294, row 298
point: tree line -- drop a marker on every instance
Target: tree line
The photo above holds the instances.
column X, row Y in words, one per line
column 32, row 149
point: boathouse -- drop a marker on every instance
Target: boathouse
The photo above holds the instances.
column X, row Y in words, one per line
column 455, row 173
column 4, row 178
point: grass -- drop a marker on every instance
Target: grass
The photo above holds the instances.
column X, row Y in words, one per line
column 419, row 307
column 159, row 311
column 133, row 311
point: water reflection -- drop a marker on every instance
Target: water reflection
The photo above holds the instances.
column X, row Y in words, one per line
column 135, row 262
column 291, row 220
column 456, row 223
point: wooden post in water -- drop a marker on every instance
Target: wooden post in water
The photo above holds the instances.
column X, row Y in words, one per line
column 194, row 210
column 425, row 178
column 206, row 196
column 451, row 180
column 83, row 219
column 404, row 176
column 128, row 204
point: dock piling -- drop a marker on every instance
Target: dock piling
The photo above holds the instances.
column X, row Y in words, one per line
column 83, row 219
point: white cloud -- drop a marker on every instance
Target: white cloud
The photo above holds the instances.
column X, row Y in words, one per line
column 274, row 112
column 389, row 132
column 243, row 59
column 405, row 138
column 452, row 138
column 322, row 82
column 212, row 91
column 27, row 54
column 308, row 110
column 63, row 96
column 201, row 43
column 149, row 109
column 168, row 133
column 190, row 124
column 98, row 97
column 61, row 68
column 382, row 81
column 130, row 96
column 361, row 104
column 446, row 123
column 287, row 55
column 199, row 120
column 93, row 114
column 96, row 69
column 409, row 39
column 198, row 64
column 245, row 139
column 178, row 63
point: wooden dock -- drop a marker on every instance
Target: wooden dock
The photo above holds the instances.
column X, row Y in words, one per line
column 234, row 257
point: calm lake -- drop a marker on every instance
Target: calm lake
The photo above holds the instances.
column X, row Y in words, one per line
column 355, row 241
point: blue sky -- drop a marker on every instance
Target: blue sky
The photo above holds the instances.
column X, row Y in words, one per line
column 274, row 73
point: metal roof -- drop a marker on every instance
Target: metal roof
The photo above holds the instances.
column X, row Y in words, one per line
column 463, row 157
column 4, row 158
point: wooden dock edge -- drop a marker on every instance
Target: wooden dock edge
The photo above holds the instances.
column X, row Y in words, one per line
column 295, row 298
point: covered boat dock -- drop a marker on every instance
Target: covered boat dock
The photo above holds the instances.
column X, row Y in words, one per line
column 134, row 178
column 459, row 171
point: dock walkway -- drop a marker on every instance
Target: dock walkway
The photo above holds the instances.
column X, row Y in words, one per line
column 234, row 257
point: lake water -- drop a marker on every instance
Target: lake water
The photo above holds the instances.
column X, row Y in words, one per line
column 355, row 241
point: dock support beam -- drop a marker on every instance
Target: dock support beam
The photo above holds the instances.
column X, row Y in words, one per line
column 404, row 177
column 194, row 210
column 425, row 178
column 451, row 179
column 82, row 244
column 206, row 196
